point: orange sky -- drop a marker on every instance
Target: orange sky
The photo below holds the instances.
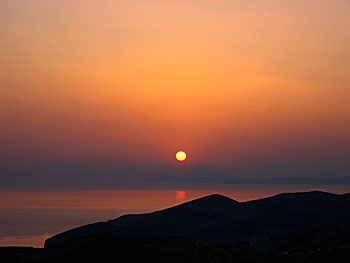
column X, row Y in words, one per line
column 96, row 97
column 235, row 83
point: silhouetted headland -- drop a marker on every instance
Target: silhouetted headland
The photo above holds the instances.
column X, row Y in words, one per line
column 292, row 227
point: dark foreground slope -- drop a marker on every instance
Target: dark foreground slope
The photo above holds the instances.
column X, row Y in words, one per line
column 264, row 224
column 181, row 220
column 323, row 245
column 296, row 227
column 109, row 248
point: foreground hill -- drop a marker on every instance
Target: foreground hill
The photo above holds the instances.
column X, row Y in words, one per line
column 294, row 227
column 264, row 223
column 323, row 245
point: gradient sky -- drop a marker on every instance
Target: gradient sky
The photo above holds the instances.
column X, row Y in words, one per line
column 101, row 94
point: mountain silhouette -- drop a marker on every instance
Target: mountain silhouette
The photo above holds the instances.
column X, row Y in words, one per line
column 264, row 223
column 187, row 215
column 292, row 227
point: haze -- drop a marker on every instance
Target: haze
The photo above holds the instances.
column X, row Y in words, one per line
column 99, row 95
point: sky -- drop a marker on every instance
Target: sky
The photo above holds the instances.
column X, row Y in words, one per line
column 100, row 95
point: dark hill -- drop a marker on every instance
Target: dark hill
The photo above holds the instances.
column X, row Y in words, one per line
column 264, row 224
column 188, row 214
column 328, row 243
column 108, row 248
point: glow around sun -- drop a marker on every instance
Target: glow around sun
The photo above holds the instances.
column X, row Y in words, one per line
column 181, row 156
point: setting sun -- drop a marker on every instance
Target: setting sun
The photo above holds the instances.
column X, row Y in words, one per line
column 113, row 111
column 181, row 156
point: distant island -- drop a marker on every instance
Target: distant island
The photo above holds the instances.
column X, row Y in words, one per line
column 290, row 227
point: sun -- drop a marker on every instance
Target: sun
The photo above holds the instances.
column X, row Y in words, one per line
column 181, row 156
